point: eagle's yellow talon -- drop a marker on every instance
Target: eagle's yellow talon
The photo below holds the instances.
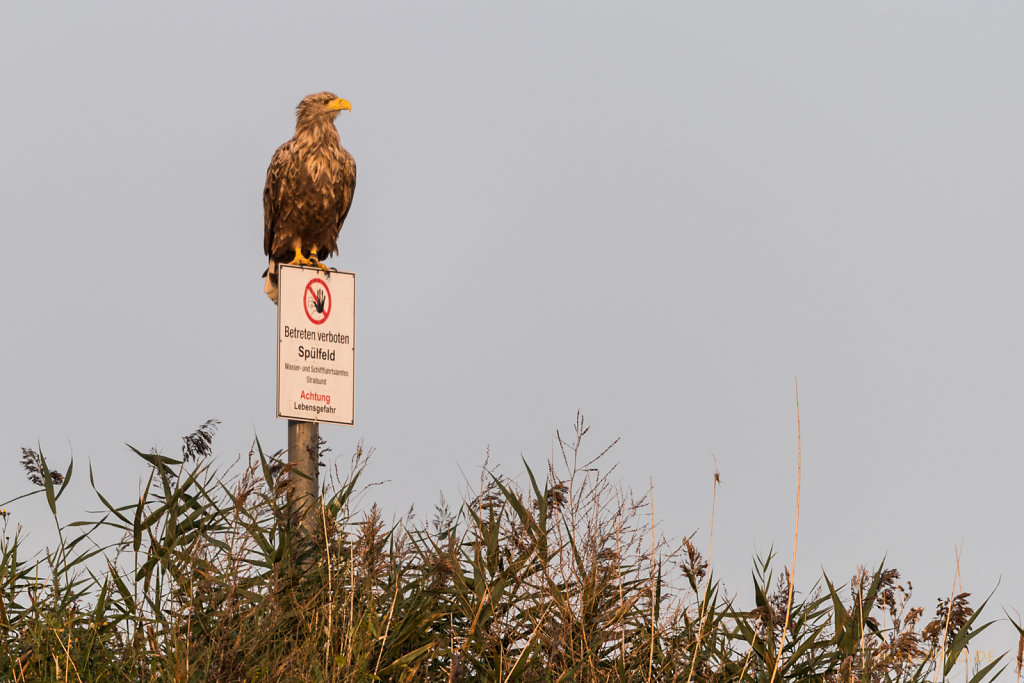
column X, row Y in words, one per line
column 299, row 259
column 316, row 259
column 318, row 264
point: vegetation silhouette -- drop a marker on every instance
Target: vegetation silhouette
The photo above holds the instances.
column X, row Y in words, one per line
column 559, row 577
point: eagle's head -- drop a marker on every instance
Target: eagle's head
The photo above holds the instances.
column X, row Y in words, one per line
column 319, row 108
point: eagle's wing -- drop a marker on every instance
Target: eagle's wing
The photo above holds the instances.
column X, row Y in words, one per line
column 272, row 197
column 346, row 186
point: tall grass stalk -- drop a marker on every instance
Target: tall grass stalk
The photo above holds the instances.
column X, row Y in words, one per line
column 796, row 533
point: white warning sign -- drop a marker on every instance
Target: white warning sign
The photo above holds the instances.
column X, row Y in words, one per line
column 316, row 325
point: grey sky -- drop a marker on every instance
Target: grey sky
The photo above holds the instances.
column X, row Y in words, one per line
column 656, row 214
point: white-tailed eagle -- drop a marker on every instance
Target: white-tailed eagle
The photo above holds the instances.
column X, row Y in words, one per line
column 309, row 189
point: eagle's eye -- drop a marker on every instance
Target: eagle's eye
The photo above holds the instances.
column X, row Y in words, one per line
column 326, row 100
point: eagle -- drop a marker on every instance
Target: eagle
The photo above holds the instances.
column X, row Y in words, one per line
column 310, row 182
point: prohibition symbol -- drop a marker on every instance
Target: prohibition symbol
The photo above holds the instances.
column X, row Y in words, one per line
column 316, row 301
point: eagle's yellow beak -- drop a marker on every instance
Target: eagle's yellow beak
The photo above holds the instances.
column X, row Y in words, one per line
column 339, row 104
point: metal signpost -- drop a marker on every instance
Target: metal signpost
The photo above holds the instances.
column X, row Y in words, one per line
column 315, row 364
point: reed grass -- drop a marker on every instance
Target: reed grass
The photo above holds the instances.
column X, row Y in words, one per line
column 556, row 576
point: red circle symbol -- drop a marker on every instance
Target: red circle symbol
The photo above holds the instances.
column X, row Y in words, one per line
column 316, row 301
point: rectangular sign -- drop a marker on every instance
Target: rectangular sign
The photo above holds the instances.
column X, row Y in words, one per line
column 316, row 333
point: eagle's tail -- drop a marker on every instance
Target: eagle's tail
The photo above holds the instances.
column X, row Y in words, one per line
column 270, row 286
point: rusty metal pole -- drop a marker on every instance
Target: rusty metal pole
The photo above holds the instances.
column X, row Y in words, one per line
column 303, row 456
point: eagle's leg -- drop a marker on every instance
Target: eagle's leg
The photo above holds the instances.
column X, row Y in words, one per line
column 316, row 261
column 299, row 259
